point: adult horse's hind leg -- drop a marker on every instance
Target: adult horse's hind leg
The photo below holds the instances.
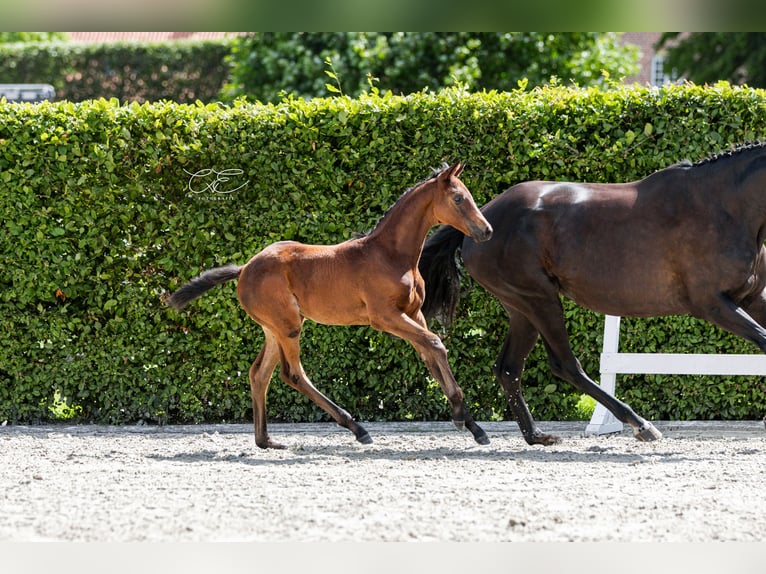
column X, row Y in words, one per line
column 520, row 341
column 293, row 374
column 260, row 376
column 546, row 314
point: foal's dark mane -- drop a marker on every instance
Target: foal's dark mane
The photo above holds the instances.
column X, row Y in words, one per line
column 435, row 173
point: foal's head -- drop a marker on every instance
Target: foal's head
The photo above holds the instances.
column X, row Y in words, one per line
column 454, row 205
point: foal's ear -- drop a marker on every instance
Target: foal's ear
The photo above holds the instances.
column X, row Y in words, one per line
column 456, row 169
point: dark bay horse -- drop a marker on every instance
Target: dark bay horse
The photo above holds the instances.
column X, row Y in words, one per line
column 688, row 239
column 372, row 280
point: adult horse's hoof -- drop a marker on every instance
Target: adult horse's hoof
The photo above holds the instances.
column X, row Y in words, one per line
column 481, row 438
column 647, row 433
column 365, row 438
column 542, row 438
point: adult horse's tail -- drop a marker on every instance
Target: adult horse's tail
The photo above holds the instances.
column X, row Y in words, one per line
column 439, row 268
column 201, row 284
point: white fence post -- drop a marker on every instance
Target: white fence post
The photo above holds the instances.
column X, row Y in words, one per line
column 603, row 421
column 613, row 362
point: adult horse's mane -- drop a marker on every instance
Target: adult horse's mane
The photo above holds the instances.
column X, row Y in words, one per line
column 738, row 149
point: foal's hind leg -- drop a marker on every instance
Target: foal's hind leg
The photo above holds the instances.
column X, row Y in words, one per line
column 260, row 376
column 521, row 339
column 293, row 374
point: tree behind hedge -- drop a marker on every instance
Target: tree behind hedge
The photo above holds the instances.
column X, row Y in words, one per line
column 267, row 65
column 183, row 71
column 707, row 57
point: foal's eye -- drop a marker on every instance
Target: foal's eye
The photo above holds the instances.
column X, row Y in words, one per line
column 459, row 198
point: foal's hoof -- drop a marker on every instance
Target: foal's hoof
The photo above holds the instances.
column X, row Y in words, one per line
column 459, row 425
column 647, row 433
column 365, row 438
column 268, row 443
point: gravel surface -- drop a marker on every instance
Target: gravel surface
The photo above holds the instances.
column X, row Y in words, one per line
column 416, row 482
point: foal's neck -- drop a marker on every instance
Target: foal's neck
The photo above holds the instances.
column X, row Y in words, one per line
column 404, row 228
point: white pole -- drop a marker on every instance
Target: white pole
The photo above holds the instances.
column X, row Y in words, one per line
column 603, row 421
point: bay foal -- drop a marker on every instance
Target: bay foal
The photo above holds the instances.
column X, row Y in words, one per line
column 371, row 280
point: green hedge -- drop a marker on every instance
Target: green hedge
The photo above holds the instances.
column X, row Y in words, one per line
column 182, row 71
column 100, row 222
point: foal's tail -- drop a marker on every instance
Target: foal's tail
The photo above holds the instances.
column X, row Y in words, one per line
column 438, row 266
column 202, row 284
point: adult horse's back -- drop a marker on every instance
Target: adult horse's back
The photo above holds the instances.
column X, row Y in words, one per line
column 688, row 239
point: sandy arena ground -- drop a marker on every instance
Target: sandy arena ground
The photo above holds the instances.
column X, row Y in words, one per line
column 417, row 482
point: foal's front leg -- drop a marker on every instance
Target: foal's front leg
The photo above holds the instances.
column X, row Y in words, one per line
column 434, row 354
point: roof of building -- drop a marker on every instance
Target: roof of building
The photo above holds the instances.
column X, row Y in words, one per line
column 147, row 36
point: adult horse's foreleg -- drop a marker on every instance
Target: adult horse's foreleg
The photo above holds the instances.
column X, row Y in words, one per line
column 434, row 354
column 260, row 376
column 756, row 308
column 725, row 313
column 520, row 341
column 548, row 318
column 293, row 374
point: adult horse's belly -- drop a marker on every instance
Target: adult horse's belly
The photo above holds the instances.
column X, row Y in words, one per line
column 635, row 299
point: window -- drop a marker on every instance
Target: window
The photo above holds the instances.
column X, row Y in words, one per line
column 658, row 75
